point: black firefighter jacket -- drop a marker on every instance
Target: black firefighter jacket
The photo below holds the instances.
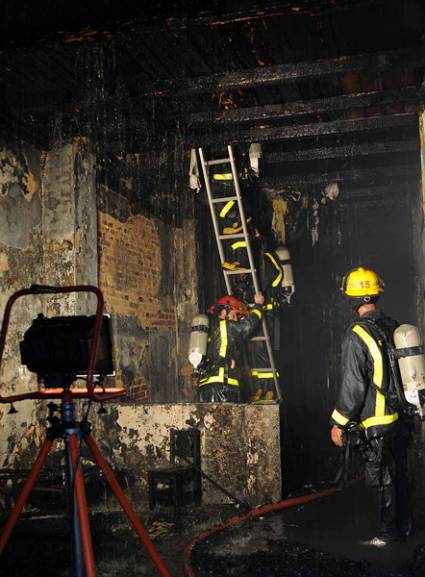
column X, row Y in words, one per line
column 366, row 371
column 226, row 338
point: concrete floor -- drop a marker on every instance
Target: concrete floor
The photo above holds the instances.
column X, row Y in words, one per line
column 321, row 539
column 324, row 538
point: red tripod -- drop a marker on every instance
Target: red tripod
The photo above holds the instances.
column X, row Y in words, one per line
column 73, row 433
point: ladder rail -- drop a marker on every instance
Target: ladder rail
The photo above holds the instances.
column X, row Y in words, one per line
column 219, row 237
column 271, row 359
column 252, row 267
column 213, row 216
column 243, row 219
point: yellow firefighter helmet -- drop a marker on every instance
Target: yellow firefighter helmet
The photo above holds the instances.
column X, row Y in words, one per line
column 362, row 282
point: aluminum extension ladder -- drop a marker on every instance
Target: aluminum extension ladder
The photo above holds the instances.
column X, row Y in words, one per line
column 243, row 236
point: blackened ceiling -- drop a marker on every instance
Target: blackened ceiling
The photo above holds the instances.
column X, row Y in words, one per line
column 316, row 81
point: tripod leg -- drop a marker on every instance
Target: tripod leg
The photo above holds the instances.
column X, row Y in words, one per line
column 29, row 483
column 140, row 530
column 77, row 552
column 81, row 505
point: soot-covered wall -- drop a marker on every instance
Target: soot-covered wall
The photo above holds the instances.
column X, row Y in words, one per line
column 148, row 277
column 48, row 236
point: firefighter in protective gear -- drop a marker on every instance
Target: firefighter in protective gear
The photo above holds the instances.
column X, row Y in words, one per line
column 367, row 377
column 271, row 276
column 231, row 325
column 229, row 217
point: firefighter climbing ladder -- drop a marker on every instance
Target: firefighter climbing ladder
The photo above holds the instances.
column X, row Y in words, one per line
column 242, row 236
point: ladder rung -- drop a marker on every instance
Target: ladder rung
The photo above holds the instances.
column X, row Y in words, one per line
column 224, row 199
column 224, row 236
column 238, row 271
column 259, row 338
column 218, row 161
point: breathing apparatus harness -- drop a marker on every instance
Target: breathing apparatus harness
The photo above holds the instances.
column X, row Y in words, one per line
column 355, row 438
column 394, row 394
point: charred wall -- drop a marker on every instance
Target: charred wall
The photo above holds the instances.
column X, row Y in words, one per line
column 375, row 226
column 48, row 236
column 59, row 226
column 239, row 446
column 148, row 276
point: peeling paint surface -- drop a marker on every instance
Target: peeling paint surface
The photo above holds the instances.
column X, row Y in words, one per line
column 20, row 207
column 38, row 232
column 240, row 445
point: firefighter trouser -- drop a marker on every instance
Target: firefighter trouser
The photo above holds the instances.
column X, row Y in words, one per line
column 236, row 251
column 261, row 379
column 219, row 393
column 387, row 473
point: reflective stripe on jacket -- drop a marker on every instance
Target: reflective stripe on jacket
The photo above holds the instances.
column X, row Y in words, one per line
column 226, row 338
column 278, row 270
column 365, row 370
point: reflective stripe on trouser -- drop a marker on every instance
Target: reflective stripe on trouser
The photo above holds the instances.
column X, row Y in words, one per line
column 263, row 380
column 258, row 357
column 266, row 374
column 240, row 253
column 219, row 378
column 223, row 176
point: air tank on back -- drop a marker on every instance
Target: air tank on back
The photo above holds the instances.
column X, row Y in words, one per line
column 411, row 361
column 198, row 339
column 288, row 283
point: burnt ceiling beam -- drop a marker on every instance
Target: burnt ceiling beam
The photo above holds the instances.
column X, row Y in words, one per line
column 304, row 107
column 306, row 130
column 291, row 72
column 270, row 10
column 405, row 171
column 347, row 151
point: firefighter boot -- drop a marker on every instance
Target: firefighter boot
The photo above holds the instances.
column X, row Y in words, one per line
column 257, row 396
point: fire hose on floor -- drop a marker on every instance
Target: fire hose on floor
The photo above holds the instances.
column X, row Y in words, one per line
column 258, row 512
column 341, row 481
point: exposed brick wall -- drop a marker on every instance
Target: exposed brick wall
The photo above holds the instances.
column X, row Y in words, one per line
column 130, row 264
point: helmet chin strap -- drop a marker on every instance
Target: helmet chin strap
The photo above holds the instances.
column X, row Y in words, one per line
column 356, row 303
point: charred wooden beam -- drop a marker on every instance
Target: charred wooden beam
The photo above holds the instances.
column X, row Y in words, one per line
column 405, row 171
column 306, row 130
column 271, row 10
column 291, row 72
column 304, row 107
column 347, row 151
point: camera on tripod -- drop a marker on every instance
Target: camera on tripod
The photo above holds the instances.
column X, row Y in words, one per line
column 58, row 349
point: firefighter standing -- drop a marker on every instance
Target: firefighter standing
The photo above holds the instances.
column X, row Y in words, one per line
column 367, row 378
column 231, row 326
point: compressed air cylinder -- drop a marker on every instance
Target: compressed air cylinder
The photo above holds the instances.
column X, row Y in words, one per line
column 288, row 283
column 198, row 339
column 411, row 360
